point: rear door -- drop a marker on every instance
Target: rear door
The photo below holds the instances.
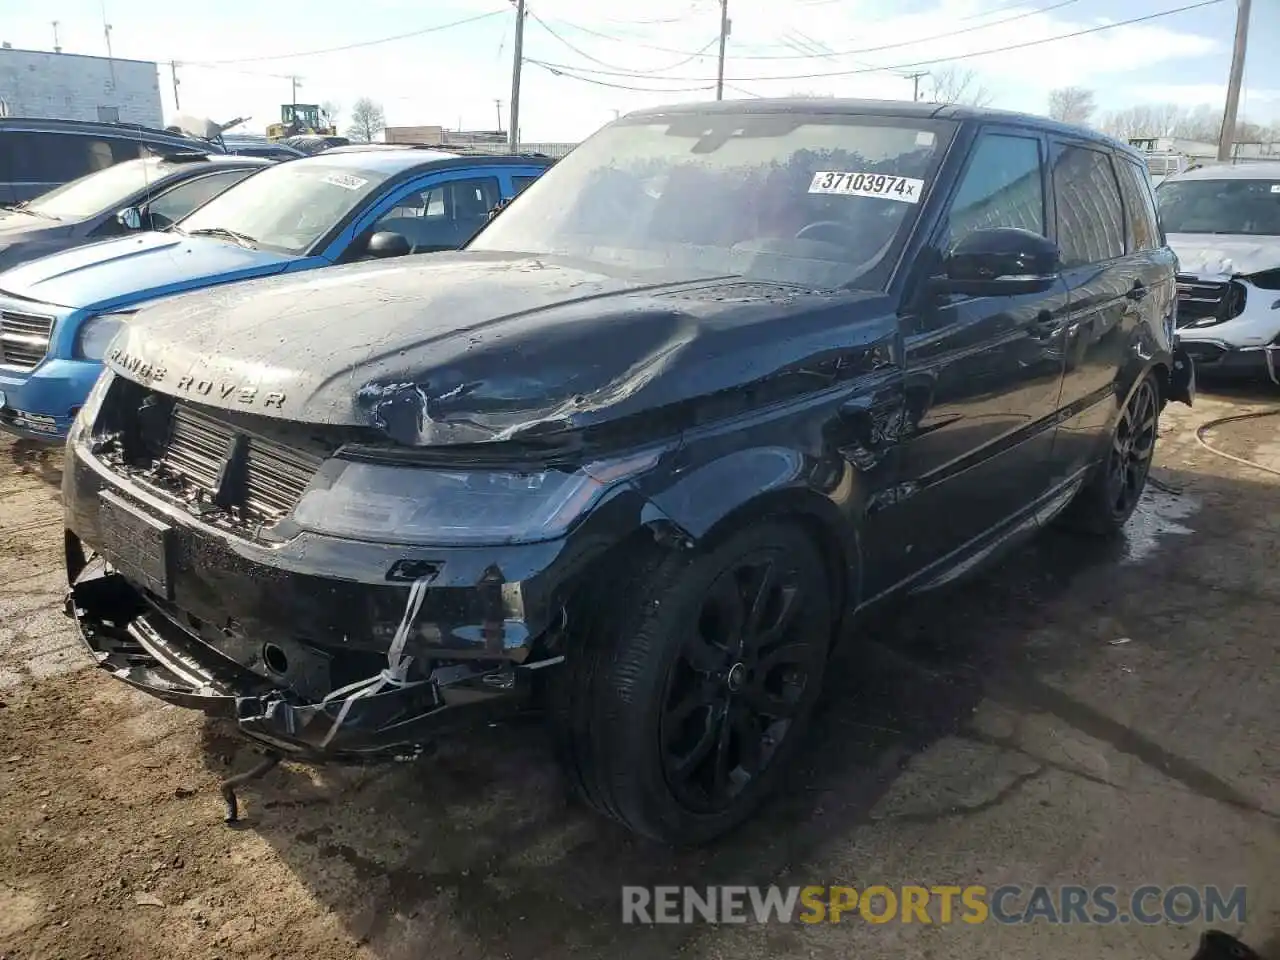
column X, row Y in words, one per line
column 983, row 373
column 1109, row 276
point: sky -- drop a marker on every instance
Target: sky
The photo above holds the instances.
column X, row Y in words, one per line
column 236, row 57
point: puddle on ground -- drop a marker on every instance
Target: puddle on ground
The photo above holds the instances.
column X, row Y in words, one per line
column 1156, row 516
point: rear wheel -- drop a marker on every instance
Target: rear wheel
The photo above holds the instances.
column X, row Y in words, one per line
column 1111, row 495
column 690, row 682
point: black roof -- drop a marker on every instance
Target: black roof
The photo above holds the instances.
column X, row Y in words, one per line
column 52, row 125
column 880, row 108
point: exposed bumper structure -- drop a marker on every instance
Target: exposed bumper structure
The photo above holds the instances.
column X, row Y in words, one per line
column 152, row 654
column 269, row 637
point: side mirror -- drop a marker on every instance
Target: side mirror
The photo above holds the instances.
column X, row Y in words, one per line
column 1000, row 262
column 130, row 218
column 386, row 243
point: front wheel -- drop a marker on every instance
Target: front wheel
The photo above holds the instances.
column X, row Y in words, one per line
column 1112, row 493
column 691, row 678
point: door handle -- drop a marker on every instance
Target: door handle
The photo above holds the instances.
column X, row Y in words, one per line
column 1137, row 292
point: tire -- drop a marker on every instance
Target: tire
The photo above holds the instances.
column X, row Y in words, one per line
column 668, row 717
column 1112, row 492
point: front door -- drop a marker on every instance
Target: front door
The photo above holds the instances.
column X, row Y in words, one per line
column 983, row 373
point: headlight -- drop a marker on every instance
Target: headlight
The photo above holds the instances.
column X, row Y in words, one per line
column 92, row 404
column 96, row 333
column 403, row 504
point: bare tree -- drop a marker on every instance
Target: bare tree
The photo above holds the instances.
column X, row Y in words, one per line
column 954, row 85
column 367, row 120
column 1072, row 105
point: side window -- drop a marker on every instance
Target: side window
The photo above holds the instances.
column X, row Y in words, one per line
column 172, row 205
column 1090, row 212
column 1147, row 197
column 1002, row 187
column 1142, row 226
column 57, row 158
column 453, row 201
column 122, row 150
column 519, row 183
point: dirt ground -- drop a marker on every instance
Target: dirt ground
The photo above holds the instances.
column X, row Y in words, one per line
column 995, row 734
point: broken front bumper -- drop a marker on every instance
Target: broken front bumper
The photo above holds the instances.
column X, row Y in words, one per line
column 264, row 634
column 147, row 651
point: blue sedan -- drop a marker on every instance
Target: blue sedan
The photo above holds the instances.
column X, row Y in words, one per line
column 58, row 313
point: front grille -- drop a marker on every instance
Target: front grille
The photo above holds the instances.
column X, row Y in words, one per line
column 24, row 338
column 1203, row 303
column 215, row 461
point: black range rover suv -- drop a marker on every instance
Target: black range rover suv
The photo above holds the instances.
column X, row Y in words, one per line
column 725, row 376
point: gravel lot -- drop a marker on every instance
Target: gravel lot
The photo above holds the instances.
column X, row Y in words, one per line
column 996, row 734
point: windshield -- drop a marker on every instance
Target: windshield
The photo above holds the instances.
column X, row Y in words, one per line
column 102, row 191
column 286, row 208
column 1220, row 206
column 816, row 200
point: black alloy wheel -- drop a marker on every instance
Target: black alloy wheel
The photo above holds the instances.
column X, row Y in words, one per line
column 1132, row 446
column 690, row 677
column 738, row 680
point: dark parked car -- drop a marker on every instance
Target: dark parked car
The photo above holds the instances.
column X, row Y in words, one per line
column 145, row 194
column 248, row 146
column 724, row 377
column 37, row 154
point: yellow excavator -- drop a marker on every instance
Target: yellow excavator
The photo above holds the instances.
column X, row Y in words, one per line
column 297, row 119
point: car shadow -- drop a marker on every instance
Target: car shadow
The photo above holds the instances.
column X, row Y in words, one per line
column 484, row 831
column 37, row 459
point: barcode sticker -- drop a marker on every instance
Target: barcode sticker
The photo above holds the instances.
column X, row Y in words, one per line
column 905, row 189
column 346, row 181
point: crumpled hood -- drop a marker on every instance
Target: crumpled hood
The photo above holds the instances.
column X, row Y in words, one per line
column 1215, row 255
column 462, row 347
column 116, row 272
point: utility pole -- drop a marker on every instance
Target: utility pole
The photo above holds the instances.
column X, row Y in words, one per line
column 915, row 83
column 295, row 82
column 513, row 137
column 497, row 103
column 57, row 47
column 725, row 26
column 1227, row 138
column 173, row 72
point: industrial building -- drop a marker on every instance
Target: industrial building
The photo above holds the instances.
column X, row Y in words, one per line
column 68, row 86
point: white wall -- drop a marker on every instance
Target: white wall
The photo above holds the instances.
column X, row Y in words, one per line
column 70, row 87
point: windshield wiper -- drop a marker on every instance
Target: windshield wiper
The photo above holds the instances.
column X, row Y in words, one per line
column 244, row 240
column 23, row 208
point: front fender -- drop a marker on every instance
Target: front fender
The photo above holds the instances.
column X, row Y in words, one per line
column 718, row 497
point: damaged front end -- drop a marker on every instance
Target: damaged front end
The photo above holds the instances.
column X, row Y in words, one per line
column 138, row 644
column 334, row 606
column 1229, row 322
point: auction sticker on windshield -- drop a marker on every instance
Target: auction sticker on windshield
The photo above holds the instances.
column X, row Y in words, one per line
column 884, row 185
column 346, row 181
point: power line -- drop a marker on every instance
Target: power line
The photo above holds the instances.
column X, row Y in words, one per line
column 890, row 68
column 582, row 53
column 841, row 53
column 362, row 43
column 569, row 74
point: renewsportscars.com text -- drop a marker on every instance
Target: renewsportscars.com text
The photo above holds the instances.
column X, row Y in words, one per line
column 1008, row 904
